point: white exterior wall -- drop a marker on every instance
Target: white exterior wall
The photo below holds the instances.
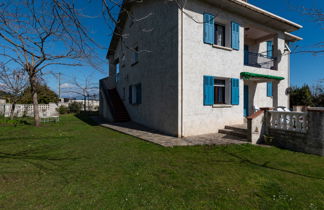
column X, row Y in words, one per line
column 175, row 60
column 157, row 68
column 201, row 59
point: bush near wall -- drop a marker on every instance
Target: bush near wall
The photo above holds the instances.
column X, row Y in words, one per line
column 75, row 107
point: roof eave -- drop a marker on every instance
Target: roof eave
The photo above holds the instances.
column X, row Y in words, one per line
column 266, row 13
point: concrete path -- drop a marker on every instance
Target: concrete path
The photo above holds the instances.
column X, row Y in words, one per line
column 153, row 136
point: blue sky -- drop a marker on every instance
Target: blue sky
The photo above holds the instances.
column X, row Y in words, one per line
column 305, row 68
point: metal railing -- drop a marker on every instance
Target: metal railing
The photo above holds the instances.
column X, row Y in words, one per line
column 289, row 121
column 259, row 60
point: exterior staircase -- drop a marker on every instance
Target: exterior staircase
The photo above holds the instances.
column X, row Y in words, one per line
column 116, row 105
column 239, row 131
column 119, row 111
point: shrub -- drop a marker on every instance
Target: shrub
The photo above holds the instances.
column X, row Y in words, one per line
column 5, row 121
column 75, row 107
column 63, row 109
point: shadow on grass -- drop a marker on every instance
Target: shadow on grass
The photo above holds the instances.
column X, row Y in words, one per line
column 31, row 138
column 44, row 162
column 86, row 117
column 266, row 165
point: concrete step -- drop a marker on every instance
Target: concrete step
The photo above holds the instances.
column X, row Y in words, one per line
column 239, row 128
column 238, row 133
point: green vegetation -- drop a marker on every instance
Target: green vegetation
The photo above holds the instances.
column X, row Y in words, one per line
column 45, row 95
column 307, row 96
column 73, row 107
column 5, row 121
column 74, row 164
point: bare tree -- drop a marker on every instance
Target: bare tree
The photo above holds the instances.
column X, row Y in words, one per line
column 86, row 89
column 36, row 34
column 14, row 83
column 317, row 16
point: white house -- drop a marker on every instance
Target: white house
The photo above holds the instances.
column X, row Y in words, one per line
column 192, row 69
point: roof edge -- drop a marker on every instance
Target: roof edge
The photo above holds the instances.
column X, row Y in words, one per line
column 264, row 12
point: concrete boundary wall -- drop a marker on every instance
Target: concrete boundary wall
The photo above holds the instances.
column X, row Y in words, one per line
column 45, row 110
column 312, row 141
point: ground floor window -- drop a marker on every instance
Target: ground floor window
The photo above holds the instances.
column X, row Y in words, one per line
column 135, row 94
column 219, row 91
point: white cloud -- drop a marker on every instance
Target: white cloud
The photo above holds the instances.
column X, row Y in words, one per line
column 67, row 85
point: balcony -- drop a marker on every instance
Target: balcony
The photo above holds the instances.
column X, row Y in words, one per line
column 259, row 60
column 260, row 48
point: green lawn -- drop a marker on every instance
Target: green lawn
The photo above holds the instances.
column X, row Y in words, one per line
column 76, row 165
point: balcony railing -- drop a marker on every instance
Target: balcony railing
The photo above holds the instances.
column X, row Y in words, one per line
column 289, row 121
column 259, row 60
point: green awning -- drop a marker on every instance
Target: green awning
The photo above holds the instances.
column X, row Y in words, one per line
column 248, row 75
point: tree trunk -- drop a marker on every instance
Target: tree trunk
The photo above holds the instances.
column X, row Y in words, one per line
column 12, row 111
column 33, row 86
column 84, row 103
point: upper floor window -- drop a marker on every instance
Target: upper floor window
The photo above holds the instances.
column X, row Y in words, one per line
column 219, row 35
column 135, row 55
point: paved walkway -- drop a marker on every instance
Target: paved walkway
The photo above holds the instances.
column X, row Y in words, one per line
column 153, row 136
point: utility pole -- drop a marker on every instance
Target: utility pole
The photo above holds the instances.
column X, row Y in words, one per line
column 59, row 83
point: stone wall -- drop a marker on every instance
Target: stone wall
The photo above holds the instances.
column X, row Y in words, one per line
column 310, row 142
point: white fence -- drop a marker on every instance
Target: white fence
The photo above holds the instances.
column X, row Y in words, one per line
column 290, row 121
column 45, row 110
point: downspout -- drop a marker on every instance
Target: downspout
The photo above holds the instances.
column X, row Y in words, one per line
column 181, row 73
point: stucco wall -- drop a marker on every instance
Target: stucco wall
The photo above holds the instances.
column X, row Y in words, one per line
column 201, row 59
column 156, row 36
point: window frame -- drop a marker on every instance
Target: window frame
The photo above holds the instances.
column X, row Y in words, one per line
column 223, row 44
column 134, row 89
column 219, row 87
column 135, row 55
column 117, row 67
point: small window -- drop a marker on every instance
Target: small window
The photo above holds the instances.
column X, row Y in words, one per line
column 117, row 70
column 135, row 94
column 135, row 56
column 124, row 93
column 219, row 91
column 219, row 35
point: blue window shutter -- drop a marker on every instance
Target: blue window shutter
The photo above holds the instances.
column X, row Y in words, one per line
column 209, row 29
column 269, row 49
column 235, row 91
column 235, row 36
column 208, row 90
column 130, row 94
column 269, row 89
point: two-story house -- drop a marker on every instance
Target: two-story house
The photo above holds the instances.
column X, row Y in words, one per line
column 190, row 69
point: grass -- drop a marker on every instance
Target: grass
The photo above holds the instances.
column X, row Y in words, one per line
column 76, row 165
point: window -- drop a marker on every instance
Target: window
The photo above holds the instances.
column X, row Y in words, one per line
column 117, row 70
column 219, row 91
column 219, row 35
column 135, row 94
column 135, row 56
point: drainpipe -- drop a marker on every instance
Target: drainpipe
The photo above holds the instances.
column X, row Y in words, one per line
column 181, row 73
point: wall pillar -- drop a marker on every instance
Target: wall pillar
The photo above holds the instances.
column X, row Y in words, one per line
column 276, row 51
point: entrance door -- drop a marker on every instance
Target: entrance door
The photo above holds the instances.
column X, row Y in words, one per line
column 246, row 101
